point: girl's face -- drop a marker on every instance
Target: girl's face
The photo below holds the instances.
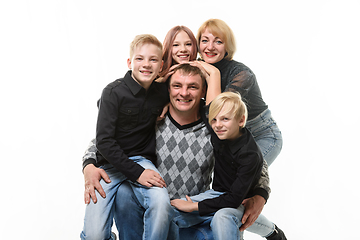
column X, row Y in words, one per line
column 182, row 48
column 212, row 48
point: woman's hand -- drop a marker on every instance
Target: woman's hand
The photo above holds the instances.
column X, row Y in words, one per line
column 207, row 69
column 185, row 206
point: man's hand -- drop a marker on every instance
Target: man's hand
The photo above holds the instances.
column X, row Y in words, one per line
column 163, row 113
column 92, row 177
column 253, row 208
column 185, row 206
column 170, row 72
column 151, row 178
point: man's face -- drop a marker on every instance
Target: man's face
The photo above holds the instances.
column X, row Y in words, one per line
column 186, row 92
column 145, row 64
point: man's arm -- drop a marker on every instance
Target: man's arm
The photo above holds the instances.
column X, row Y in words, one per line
column 90, row 154
column 92, row 174
column 255, row 204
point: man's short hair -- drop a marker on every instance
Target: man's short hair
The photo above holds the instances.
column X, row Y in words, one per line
column 190, row 70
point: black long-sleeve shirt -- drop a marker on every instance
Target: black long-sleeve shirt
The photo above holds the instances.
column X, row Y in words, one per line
column 126, row 123
column 238, row 166
column 235, row 76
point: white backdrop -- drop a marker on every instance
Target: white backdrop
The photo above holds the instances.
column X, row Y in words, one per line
column 56, row 57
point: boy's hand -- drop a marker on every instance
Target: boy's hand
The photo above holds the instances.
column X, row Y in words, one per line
column 253, row 208
column 151, row 178
column 185, row 206
column 92, row 177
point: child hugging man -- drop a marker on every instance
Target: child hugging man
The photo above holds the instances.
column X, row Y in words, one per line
column 125, row 139
column 238, row 164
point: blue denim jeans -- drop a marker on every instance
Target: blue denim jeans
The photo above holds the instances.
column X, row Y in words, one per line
column 155, row 201
column 129, row 219
column 128, row 213
column 267, row 135
column 225, row 223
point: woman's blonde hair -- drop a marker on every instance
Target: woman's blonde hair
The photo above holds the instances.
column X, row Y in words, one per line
column 220, row 29
column 232, row 103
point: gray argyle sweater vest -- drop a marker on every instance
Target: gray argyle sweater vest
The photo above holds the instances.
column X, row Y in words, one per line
column 184, row 157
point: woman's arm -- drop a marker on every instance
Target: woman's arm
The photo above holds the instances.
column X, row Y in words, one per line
column 213, row 79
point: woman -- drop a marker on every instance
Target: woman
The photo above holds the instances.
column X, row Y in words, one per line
column 217, row 46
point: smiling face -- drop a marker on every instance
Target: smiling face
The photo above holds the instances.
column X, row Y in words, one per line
column 186, row 92
column 226, row 125
column 212, row 48
column 145, row 64
column 182, row 48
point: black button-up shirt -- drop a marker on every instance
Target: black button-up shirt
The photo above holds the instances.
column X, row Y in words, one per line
column 126, row 123
column 238, row 165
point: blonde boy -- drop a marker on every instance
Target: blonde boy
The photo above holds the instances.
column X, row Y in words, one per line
column 125, row 139
column 238, row 164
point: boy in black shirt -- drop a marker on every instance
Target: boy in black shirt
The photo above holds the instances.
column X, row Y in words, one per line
column 238, row 164
column 125, row 138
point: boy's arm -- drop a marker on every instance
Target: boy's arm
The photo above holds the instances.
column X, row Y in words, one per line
column 247, row 173
column 106, row 143
column 110, row 149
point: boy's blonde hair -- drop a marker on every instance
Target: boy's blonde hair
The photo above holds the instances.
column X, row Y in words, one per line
column 233, row 105
column 143, row 39
column 220, row 29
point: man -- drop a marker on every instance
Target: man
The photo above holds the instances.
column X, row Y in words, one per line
column 184, row 152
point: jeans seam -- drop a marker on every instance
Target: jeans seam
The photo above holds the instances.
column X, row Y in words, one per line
column 265, row 226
